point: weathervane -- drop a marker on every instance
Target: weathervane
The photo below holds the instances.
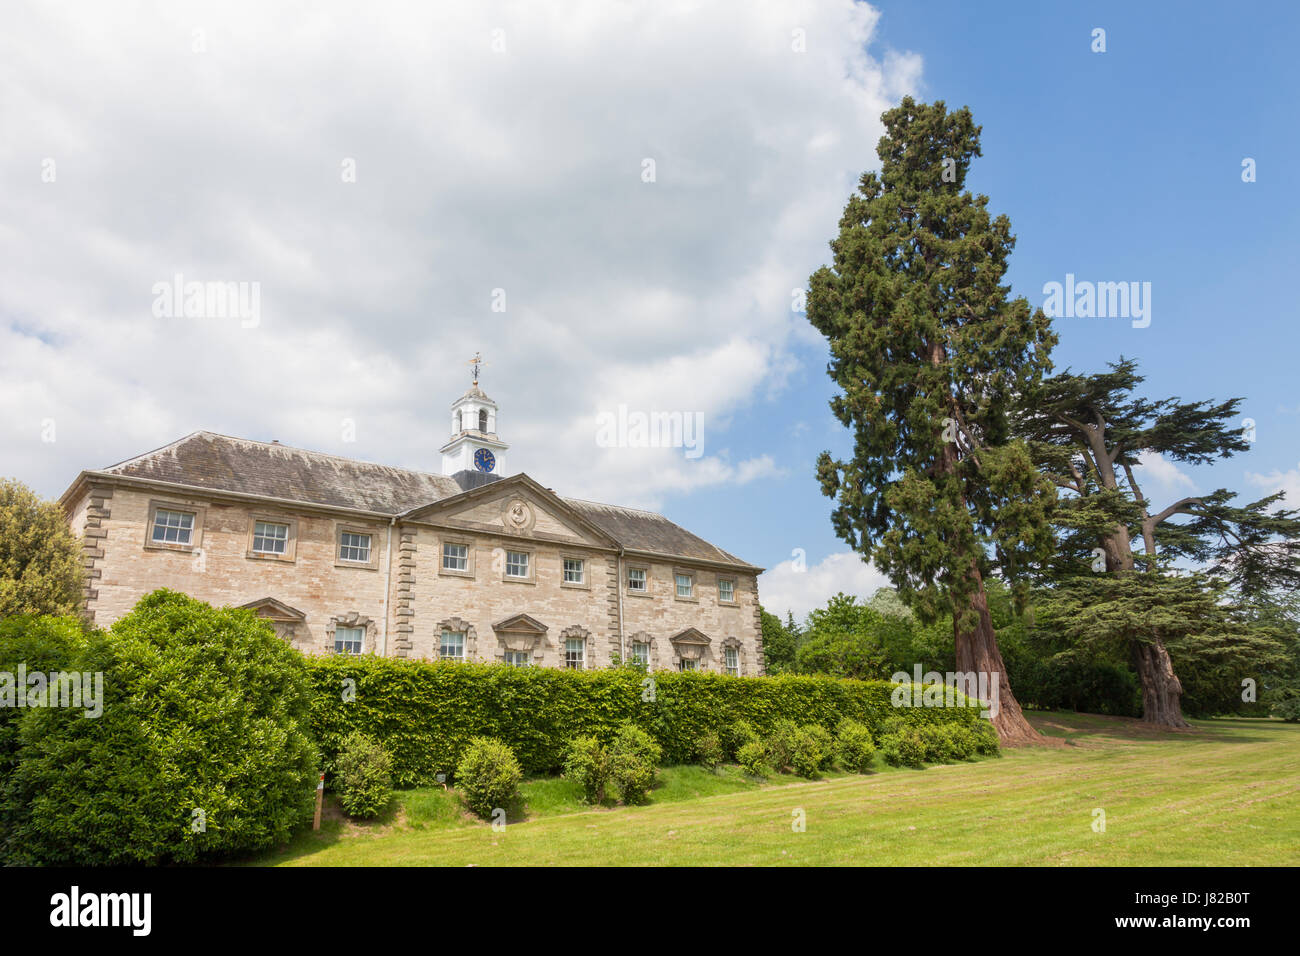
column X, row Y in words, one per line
column 477, row 362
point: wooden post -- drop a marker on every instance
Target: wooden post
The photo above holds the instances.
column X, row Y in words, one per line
column 320, row 795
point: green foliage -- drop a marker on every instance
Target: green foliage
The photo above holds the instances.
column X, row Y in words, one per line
column 780, row 744
column 779, row 643
column 824, row 741
column 937, row 744
column 204, row 709
column 986, row 739
column 363, row 776
column 925, row 347
column 709, row 750
column 588, row 765
column 961, row 742
column 842, row 639
column 40, row 559
column 634, row 757
column 806, row 756
column 425, row 712
column 854, row 749
column 738, row 734
column 753, row 758
column 488, row 776
column 40, row 644
column 903, row 748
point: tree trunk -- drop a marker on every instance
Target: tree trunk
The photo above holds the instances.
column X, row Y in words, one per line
column 1161, row 689
column 978, row 653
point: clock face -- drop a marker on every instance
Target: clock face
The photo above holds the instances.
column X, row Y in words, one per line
column 484, row 460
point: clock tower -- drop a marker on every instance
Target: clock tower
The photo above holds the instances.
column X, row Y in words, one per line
column 474, row 445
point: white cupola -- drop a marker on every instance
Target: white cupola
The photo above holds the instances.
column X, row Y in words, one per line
column 474, row 445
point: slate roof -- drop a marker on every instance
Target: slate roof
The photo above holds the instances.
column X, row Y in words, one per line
column 221, row 463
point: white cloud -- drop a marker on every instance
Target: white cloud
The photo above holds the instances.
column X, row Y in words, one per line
column 475, row 170
column 1160, row 478
column 1277, row 480
column 783, row 588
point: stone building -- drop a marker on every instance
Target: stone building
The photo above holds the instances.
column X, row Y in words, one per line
column 345, row 556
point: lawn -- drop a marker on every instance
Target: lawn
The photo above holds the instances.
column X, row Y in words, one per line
column 1225, row 793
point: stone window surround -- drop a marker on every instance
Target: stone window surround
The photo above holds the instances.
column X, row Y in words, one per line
column 739, row 645
column 455, row 624
column 196, row 533
column 340, row 528
column 291, row 545
column 702, row 654
column 469, row 555
column 695, row 586
column 627, row 566
column 644, row 637
column 588, row 649
column 521, row 639
column 735, row 590
column 586, row 571
column 532, row 565
column 369, row 643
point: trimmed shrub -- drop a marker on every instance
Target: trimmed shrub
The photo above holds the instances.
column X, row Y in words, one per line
column 38, row 643
column 738, row 734
column 201, row 748
column 806, row 755
column 825, row 742
column 425, row 712
column 709, row 750
column 633, row 758
column 854, row 749
column 752, row 758
column 938, row 745
column 903, row 748
column 363, row 776
column 588, row 765
column 986, row 739
column 961, row 742
column 488, row 776
column 780, row 744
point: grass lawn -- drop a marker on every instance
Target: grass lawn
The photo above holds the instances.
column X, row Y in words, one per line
column 1225, row 793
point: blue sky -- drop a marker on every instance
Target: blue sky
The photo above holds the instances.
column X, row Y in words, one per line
column 504, row 146
column 1117, row 166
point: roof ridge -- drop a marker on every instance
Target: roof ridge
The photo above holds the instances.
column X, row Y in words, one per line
column 276, row 444
column 639, row 511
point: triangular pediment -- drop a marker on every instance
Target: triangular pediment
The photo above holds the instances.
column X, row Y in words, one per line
column 514, row 507
column 691, row 636
column 520, row 624
column 273, row 610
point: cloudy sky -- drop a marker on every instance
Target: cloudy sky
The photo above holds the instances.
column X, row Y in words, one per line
column 614, row 202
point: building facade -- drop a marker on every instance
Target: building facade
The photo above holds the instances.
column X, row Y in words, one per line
column 346, row 556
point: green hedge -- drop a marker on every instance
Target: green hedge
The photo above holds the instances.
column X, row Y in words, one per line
column 425, row 713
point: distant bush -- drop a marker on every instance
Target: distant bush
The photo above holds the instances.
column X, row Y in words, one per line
column 985, row 738
column 752, row 758
column 709, row 750
column 425, row 712
column 488, row 776
column 738, row 734
column 363, row 776
column 588, row 765
column 903, row 748
column 633, row 759
column 854, row 749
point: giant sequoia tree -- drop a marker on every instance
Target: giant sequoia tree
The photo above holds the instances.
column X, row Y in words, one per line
column 927, row 349
column 1088, row 433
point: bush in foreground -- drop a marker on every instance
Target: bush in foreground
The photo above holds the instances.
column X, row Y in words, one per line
column 588, row 765
column 709, row 750
column 903, row 748
column 363, row 776
column 201, row 748
column 633, row 759
column 488, row 776
column 855, row 751
column 753, row 759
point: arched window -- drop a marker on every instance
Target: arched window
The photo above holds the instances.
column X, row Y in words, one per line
column 482, row 419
